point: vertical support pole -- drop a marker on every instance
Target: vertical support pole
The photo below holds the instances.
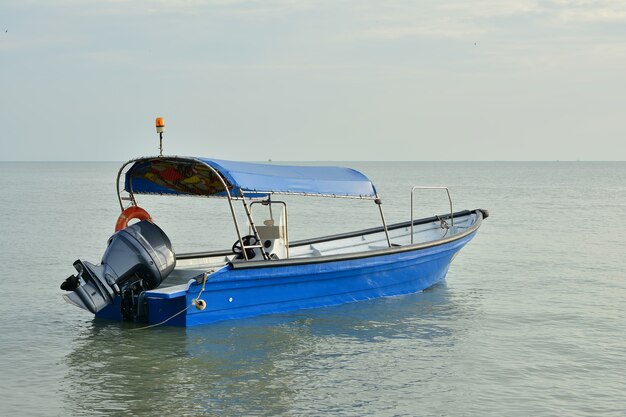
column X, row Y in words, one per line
column 230, row 203
column 269, row 201
column 382, row 216
column 254, row 231
column 120, row 189
column 232, row 211
column 286, row 228
column 412, row 215
column 160, row 143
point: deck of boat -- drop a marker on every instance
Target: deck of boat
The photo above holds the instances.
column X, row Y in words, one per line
column 194, row 266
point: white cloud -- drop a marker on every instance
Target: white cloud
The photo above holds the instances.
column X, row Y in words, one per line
column 463, row 19
column 601, row 15
column 230, row 8
column 451, row 19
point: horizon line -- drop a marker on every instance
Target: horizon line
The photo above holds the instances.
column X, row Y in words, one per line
column 333, row 160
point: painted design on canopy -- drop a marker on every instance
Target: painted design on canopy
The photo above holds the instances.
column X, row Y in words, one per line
column 167, row 176
column 197, row 176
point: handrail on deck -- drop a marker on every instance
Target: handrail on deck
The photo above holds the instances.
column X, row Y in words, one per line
column 419, row 187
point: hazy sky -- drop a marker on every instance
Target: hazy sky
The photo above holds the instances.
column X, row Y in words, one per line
column 314, row 80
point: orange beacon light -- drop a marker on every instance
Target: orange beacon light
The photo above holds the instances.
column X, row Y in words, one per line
column 160, row 128
column 160, row 124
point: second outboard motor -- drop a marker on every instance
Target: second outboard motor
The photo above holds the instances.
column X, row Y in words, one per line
column 137, row 258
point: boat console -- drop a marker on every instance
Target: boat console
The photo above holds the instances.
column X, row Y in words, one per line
column 273, row 239
column 272, row 232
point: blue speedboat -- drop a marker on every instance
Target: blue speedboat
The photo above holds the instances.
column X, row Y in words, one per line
column 142, row 279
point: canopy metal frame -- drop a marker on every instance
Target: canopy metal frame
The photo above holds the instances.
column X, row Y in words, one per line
column 125, row 168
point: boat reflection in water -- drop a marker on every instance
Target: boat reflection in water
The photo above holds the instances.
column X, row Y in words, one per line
column 299, row 362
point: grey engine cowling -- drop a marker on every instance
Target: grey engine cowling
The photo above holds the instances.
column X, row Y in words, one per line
column 137, row 258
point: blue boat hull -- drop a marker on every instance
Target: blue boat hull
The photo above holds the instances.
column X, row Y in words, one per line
column 233, row 293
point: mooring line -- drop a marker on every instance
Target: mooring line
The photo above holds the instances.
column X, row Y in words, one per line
column 194, row 302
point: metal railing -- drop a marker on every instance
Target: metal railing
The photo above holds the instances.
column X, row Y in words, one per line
column 418, row 187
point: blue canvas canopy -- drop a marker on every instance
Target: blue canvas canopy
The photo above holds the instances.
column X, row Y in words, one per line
column 206, row 177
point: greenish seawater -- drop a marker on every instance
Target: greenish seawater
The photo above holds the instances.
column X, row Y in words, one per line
column 530, row 321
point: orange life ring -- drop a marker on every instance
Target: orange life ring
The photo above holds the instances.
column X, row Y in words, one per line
column 132, row 212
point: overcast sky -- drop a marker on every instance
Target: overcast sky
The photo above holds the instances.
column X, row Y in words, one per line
column 314, row 80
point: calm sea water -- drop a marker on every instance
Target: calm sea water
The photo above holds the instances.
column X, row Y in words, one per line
column 530, row 321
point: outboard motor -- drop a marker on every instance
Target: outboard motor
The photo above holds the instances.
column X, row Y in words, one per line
column 137, row 258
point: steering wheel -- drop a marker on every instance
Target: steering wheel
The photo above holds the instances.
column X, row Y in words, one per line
column 248, row 240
